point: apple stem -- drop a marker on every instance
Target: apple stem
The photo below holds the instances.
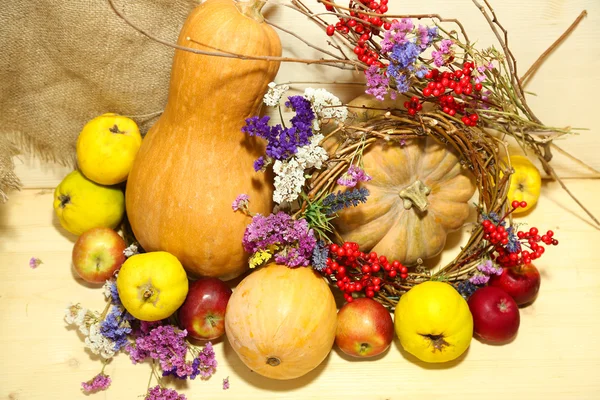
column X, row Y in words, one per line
column 273, row 361
column 64, row 200
column 115, row 129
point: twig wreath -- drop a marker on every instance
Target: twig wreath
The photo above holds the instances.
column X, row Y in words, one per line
column 464, row 98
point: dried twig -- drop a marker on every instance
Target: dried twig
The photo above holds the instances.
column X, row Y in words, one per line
column 536, row 65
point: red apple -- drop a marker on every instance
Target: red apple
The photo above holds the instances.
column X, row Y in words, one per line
column 522, row 282
column 97, row 254
column 365, row 328
column 496, row 315
column 203, row 311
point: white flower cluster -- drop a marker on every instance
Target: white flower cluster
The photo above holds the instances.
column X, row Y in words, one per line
column 325, row 105
column 274, row 94
column 75, row 315
column 131, row 250
column 98, row 343
column 289, row 175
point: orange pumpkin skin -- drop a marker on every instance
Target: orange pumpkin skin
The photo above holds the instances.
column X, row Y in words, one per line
column 383, row 224
column 281, row 322
column 195, row 160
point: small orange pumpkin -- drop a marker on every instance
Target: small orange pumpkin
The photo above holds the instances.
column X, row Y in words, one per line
column 419, row 192
column 281, row 321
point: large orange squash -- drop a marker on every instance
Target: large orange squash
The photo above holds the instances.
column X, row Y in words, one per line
column 419, row 192
column 195, row 160
column 281, row 321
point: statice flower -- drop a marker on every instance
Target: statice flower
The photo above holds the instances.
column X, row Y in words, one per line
column 426, row 36
column 319, row 256
column 377, row 83
column 96, row 384
column 274, row 94
column 98, row 343
column 488, row 268
column 325, row 105
column 240, row 202
column 205, row 364
column 513, row 245
column 81, row 317
column 292, row 240
column 34, row 262
column 353, row 176
column 441, row 56
column 289, row 179
column 116, row 327
column 111, row 293
column 160, row 393
column 226, row 383
column 167, row 345
column 282, row 143
column 479, row 279
column 336, row 202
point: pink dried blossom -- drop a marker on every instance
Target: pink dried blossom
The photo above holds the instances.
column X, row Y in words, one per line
column 96, row 384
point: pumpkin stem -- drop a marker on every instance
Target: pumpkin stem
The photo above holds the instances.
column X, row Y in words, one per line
column 251, row 8
column 415, row 195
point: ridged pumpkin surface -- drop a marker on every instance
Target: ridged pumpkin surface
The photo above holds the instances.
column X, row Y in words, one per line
column 281, row 321
column 384, row 225
column 195, row 160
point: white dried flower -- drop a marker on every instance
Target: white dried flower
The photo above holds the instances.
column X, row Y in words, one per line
column 71, row 313
column 274, row 94
column 131, row 250
column 289, row 179
column 325, row 105
column 312, row 155
column 99, row 344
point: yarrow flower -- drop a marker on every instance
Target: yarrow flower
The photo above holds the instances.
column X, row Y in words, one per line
column 240, row 202
column 290, row 241
column 96, row 384
column 131, row 250
column 34, row 262
column 274, row 94
column 325, row 105
column 336, row 202
column 160, row 393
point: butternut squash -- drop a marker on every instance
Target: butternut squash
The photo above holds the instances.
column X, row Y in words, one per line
column 195, row 160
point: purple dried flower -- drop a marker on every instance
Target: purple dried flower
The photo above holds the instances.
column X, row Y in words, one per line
column 319, row 256
column 96, row 384
column 226, row 383
column 479, row 279
column 205, row 364
column 335, row 202
column 488, row 268
column 240, row 202
column 377, row 82
column 440, row 57
column 293, row 238
column 116, row 327
column 34, row 262
column 160, row 393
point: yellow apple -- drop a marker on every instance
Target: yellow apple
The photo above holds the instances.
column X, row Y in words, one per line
column 433, row 322
column 106, row 148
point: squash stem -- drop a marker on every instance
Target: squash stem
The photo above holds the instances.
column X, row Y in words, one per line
column 415, row 195
column 251, row 8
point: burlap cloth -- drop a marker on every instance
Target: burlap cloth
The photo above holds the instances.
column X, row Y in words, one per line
column 63, row 62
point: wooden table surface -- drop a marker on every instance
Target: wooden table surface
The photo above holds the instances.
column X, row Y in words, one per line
column 555, row 355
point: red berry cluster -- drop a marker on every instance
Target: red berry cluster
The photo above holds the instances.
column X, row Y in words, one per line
column 445, row 85
column 413, row 106
column 364, row 25
column 355, row 271
column 498, row 235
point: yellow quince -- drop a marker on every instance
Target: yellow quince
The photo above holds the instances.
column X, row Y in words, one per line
column 433, row 322
column 81, row 204
column 152, row 286
column 525, row 183
column 106, row 148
